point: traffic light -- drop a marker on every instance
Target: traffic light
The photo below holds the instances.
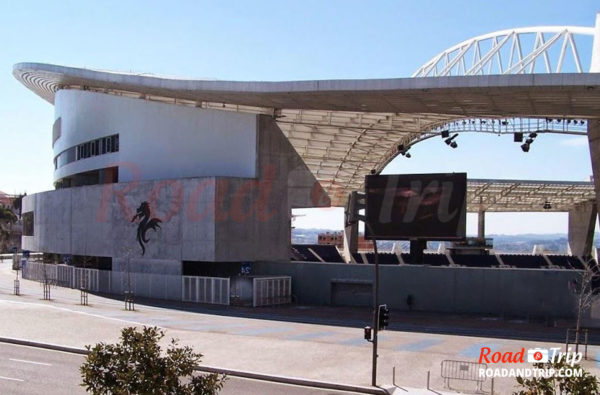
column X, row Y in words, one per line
column 368, row 334
column 383, row 317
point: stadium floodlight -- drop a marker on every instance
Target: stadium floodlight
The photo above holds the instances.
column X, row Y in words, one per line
column 525, row 146
column 450, row 141
column 403, row 150
column 518, row 137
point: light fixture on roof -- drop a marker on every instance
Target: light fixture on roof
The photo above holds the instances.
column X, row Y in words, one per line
column 450, row 141
column 403, row 150
column 518, row 137
column 445, row 133
column 527, row 144
column 547, row 205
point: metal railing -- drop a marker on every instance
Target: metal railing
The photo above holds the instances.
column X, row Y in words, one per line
column 462, row 370
column 577, row 340
column 214, row 290
column 268, row 291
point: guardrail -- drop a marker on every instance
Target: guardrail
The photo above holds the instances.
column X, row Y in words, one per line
column 462, row 370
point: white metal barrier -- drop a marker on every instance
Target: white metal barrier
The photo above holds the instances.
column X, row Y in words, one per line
column 64, row 276
column 85, row 278
column 213, row 290
column 268, row 291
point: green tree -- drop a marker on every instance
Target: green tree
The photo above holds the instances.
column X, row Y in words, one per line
column 17, row 203
column 137, row 365
column 7, row 218
column 587, row 384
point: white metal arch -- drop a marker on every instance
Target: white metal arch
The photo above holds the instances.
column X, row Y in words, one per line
column 512, row 51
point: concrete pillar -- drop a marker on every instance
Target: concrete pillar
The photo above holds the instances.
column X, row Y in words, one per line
column 595, row 64
column 350, row 242
column 582, row 223
column 417, row 246
column 593, row 132
column 481, row 225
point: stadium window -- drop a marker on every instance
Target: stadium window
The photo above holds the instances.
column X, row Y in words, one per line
column 28, row 223
column 103, row 146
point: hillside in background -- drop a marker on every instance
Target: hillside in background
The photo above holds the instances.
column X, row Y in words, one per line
column 554, row 243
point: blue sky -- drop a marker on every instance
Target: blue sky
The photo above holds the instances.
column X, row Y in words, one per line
column 277, row 40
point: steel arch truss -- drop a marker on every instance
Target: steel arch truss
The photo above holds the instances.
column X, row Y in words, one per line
column 549, row 49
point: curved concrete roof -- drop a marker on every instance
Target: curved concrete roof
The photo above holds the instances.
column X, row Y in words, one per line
column 344, row 128
column 486, row 95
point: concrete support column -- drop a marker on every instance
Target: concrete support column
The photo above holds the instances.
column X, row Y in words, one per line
column 582, row 223
column 481, row 225
column 593, row 132
column 417, row 246
column 350, row 242
column 595, row 64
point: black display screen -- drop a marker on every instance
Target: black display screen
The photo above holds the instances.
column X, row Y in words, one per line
column 416, row 206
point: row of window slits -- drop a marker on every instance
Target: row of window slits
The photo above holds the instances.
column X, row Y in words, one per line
column 101, row 146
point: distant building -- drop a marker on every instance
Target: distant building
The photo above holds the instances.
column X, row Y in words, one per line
column 337, row 239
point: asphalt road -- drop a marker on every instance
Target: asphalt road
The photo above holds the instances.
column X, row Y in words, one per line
column 27, row 371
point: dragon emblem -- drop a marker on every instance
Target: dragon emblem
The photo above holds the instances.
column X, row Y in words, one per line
column 143, row 213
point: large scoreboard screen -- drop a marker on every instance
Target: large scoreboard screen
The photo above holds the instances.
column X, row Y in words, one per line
column 416, row 206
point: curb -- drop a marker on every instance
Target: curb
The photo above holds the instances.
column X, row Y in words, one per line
column 47, row 346
column 294, row 380
column 211, row 369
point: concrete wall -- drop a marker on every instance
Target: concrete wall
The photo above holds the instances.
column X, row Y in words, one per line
column 216, row 219
column 438, row 289
column 161, row 140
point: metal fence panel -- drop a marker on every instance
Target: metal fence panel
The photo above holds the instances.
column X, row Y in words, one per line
column 213, row 290
column 268, row 291
column 462, row 370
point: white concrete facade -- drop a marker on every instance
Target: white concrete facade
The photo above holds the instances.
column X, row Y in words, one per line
column 212, row 218
column 161, row 140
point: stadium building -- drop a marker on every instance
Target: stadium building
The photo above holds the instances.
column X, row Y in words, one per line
column 183, row 178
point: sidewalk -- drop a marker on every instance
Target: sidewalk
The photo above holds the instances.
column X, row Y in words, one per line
column 242, row 339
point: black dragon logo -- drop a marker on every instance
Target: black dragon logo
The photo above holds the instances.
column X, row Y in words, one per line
column 143, row 213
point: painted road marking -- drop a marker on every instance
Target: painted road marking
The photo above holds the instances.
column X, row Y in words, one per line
column 418, row 345
column 32, row 362
column 309, row 336
column 10, row 378
column 261, row 331
column 474, row 350
column 358, row 341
